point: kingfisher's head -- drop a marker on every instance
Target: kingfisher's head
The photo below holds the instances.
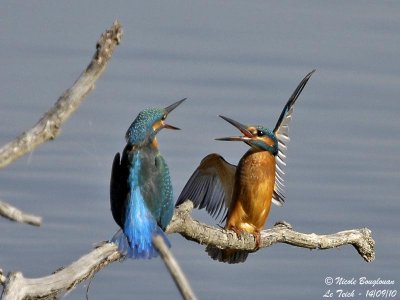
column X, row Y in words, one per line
column 148, row 123
column 256, row 136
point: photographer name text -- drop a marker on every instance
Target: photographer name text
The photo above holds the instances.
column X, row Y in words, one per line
column 361, row 287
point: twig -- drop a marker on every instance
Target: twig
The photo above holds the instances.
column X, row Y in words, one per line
column 14, row 214
column 18, row 287
column 48, row 127
column 183, row 223
column 49, row 287
column 172, row 265
column 361, row 239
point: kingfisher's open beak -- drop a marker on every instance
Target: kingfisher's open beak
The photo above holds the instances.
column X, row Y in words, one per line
column 171, row 127
column 170, row 108
column 247, row 135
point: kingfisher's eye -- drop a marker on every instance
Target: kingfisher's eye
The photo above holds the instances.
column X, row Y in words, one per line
column 164, row 117
column 260, row 132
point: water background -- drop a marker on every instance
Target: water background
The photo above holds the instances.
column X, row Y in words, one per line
column 242, row 59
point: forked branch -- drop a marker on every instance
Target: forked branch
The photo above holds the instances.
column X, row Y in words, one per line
column 282, row 232
column 49, row 287
column 48, row 127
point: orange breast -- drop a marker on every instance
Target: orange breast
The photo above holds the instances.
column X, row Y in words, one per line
column 252, row 194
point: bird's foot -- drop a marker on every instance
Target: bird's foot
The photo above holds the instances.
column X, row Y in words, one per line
column 257, row 237
column 237, row 231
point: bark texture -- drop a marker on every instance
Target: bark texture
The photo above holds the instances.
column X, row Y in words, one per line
column 65, row 279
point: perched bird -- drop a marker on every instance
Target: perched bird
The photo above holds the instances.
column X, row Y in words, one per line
column 140, row 187
column 243, row 193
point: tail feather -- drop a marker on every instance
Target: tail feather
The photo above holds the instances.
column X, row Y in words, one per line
column 135, row 239
column 141, row 249
column 230, row 256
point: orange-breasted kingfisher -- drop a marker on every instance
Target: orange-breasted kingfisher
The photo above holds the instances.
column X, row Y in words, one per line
column 244, row 193
column 140, row 188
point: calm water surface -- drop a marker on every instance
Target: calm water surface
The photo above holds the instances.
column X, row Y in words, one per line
column 239, row 58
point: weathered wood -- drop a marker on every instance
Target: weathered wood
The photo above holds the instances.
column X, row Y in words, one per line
column 48, row 127
column 174, row 269
column 183, row 223
column 14, row 214
column 50, row 287
column 63, row 280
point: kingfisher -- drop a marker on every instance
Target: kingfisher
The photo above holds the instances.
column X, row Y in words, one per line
column 140, row 187
column 243, row 194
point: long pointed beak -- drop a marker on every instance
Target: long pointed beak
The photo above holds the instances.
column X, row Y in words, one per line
column 170, row 108
column 171, row 127
column 247, row 135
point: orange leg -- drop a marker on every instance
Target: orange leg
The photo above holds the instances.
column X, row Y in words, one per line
column 256, row 234
column 236, row 230
column 257, row 237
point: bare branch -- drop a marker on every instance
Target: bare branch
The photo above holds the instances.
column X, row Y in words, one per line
column 50, row 287
column 18, row 287
column 14, row 214
column 183, row 223
column 48, row 127
column 172, row 265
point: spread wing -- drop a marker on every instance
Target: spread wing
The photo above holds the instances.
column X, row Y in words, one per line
column 119, row 188
column 282, row 133
column 210, row 186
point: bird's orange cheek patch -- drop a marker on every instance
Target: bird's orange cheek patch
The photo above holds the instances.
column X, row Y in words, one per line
column 157, row 125
column 155, row 143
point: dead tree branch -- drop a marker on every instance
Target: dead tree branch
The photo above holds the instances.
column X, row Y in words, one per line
column 16, row 286
column 49, row 287
column 183, row 223
column 48, row 127
column 173, row 267
column 14, row 214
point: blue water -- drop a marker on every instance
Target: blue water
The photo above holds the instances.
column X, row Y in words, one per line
column 242, row 59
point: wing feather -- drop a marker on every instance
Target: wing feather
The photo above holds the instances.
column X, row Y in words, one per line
column 282, row 134
column 210, row 186
column 116, row 200
column 119, row 189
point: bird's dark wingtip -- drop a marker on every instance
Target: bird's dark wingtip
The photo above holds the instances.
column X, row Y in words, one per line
column 293, row 98
column 309, row 74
